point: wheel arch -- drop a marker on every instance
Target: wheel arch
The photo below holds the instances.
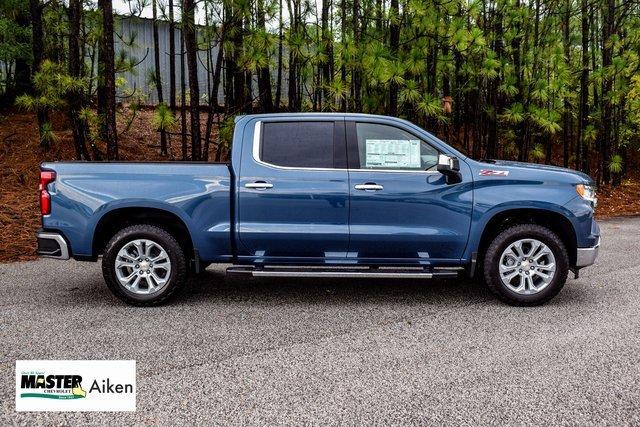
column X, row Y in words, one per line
column 554, row 220
column 120, row 217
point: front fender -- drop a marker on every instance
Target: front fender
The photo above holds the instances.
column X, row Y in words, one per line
column 482, row 217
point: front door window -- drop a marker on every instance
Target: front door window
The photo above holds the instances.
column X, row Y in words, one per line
column 382, row 147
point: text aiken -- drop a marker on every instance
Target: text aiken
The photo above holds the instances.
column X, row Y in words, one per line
column 107, row 387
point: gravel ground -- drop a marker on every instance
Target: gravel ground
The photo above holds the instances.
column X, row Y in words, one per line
column 341, row 352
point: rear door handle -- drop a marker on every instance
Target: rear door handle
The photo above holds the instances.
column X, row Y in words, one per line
column 258, row 185
column 369, row 186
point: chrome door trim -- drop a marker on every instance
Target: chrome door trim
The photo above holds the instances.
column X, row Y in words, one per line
column 255, row 151
column 257, row 134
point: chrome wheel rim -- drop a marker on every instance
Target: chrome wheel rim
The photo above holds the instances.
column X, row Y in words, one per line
column 527, row 266
column 143, row 266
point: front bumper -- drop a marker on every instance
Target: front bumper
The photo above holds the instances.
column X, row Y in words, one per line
column 52, row 245
column 587, row 256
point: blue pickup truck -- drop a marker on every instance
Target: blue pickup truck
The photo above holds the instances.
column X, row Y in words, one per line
column 323, row 195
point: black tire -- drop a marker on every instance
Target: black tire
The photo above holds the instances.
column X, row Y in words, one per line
column 511, row 235
column 169, row 244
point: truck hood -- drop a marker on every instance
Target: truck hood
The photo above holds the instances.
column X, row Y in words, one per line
column 533, row 168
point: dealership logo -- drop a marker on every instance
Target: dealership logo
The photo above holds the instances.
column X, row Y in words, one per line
column 52, row 386
column 75, row 385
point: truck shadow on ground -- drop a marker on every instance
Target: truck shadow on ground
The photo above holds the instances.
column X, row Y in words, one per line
column 212, row 285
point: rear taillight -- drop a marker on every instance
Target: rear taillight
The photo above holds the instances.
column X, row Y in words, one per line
column 46, row 177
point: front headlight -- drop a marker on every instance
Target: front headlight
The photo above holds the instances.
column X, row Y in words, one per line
column 587, row 192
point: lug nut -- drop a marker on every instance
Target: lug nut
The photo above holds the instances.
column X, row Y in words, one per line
column 137, row 266
column 148, row 271
column 520, row 271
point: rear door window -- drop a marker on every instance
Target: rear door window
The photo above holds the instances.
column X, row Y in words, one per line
column 298, row 144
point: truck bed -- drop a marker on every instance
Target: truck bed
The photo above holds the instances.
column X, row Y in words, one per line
column 86, row 193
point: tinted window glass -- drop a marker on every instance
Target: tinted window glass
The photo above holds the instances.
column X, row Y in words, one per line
column 388, row 147
column 298, row 144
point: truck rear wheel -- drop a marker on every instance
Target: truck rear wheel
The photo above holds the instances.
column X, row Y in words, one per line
column 526, row 265
column 143, row 265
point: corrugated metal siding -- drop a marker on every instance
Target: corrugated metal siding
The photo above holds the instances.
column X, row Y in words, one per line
column 142, row 51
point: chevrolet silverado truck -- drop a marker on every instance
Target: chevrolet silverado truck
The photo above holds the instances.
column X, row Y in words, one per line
column 323, row 195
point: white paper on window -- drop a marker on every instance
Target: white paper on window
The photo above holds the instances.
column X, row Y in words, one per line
column 392, row 153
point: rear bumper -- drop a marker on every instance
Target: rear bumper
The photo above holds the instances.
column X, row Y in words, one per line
column 52, row 245
column 587, row 256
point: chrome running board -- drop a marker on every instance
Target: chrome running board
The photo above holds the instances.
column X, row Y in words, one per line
column 343, row 272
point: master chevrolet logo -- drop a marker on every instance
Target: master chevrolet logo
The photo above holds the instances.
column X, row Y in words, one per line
column 52, row 386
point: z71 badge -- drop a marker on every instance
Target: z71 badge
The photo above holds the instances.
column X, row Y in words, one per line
column 491, row 172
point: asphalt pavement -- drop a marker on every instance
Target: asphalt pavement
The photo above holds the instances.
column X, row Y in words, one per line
column 263, row 352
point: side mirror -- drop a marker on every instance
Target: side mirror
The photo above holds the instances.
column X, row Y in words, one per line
column 450, row 168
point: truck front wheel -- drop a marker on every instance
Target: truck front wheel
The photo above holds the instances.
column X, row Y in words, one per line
column 143, row 265
column 526, row 265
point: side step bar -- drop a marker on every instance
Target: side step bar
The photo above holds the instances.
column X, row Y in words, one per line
column 341, row 272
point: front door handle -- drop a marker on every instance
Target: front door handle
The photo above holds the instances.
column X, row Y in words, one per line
column 369, row 186
column 258, row 185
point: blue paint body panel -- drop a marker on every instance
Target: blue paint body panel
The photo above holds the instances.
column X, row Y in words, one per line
column 198, row 194
column 314, row 216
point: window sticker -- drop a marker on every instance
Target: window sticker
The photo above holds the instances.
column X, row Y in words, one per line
column 392, row 153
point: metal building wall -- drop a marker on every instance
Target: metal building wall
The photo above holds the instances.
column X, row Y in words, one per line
column 142, row 51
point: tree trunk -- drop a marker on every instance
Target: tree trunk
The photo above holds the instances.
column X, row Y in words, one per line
column 213, row 98
column 229, row 63
column 280, row 48
column 496, row 99
column 394, row 41
column 107, row 82
column 172, row 59
column 37, row 46
column 343, row 67
column 213, row 94
column 158, row 76
column 356, row 77
column 608, row 17
column 75, row 98
column 239, row 94
column 521, row 127
column 183, row 99
column 582, row 152
column 293, row 59
column 264, row 74
column 328, row 49
column 190, row 45
column 566, row 131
